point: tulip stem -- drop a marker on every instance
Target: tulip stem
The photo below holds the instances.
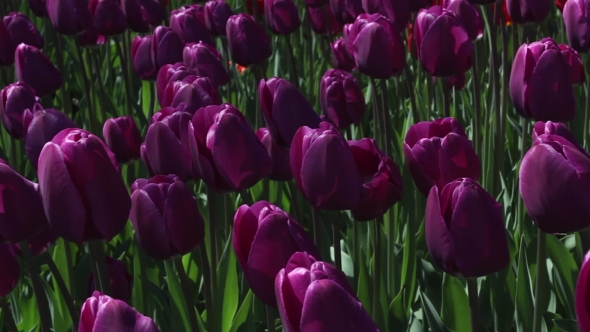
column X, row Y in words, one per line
column 336, row 237
column 410, row 87
column 101, row 101
column 65, row 97
column 314, row 226
column 208, row 286
column 473, row 303
column 385, row 115
column 377, row 271
column 8, row 318
column 62, row 288
column 42, row 303
column 295, row 77
column 270, row 319
column 188, row 294
column 476, row 103
column 97, row 256
column 87, row 89
column 125, row 74
column 446, row 96
column 540, row 286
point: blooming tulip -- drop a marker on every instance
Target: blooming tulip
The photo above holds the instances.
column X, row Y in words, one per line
column 315, row 296
column 83, row 191
column 439, row 152
column 143, row 13
column 205, row 61
column 143, row 58
column 119, row 279
column 101, row 312
column 281, row 169
column 16, row 103
column 192, row 91
column 469, row 16
column 189, row 23
column 346, row 11
column 170, row 73
column 9, row 269
column 34, row 68
column 541, row 83
column 285, row 109
column 264, row 238
column 123, row 138
column 554, row 128
column 577, row 66
column 577, row 24
column 341, row 58
column 68, row 17
column 465, row 231
column 322, row 19
column 217, row 12
column 341, row 98
column 397, row 11
column 109, row 18
column 523, row 11
column 20, row 30
column 247, row 40
column 282, row 16
column 167, row 46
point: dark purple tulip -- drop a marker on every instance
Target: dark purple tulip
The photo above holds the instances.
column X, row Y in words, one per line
column 397, row 11
column 416, row 5
column 68, row 17
column 281, row 169
column 439, row 152
column 9, row 269
column 164, row 143
column 341, row 98
column 109, row 18
column 16, row 104
column 167, row 46
column 465, row 231
column 315, row 296
column 205, row 61
column 7, row 46
column 457, row 82
column 189, row 23
column 21, row 30
column 285, row 109
column 341, row 58
column 90, row 37
column 170, row 73
column 324, row 168
column 316, row 3
column 282, row 16
column 582, row 290
column 383, row 184
column 554, row 128
column 225, row 149
column 443, row 44
column 217, row 12
column 551, row 179
column 577, row 66
column 469, row 16
column 376, row 45
column 485, row 2
column 143, row 57
column 523, row 11
column 577, row 24
column 123, row 138
column 195, row 92
column 322, row 19
column 38, row 243
column 264, row 238
column 346, row 11
column 119, row 278
column 101, row 312
column 144, row 157
column 143, row 13
column 84, row 195
column 38, row 7
column 248, row 42
column 21, row 208
column 541, row 84
column 34, row 68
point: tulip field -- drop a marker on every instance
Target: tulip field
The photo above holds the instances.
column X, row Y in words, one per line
column 294, row 165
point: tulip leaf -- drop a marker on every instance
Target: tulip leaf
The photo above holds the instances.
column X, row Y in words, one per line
column 179, row 312
column 398, row 320
column 455, row 304
column 566, row 325
column 524, row 297
column 347, row 264
column 243, row 312
column 434, row 321
column 567, row 271
column 61, row 319
column 363, row 291
column 228, row 276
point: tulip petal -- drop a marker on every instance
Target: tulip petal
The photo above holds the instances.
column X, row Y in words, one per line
column 185, row 226
column 165, row 152
column 441, row 245
column 582, row 289
column 9, row 269
column 149, row 226
column 284, row 295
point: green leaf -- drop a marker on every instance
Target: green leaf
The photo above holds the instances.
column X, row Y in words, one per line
column 179, row 320
column 231, row 292
column 243, row 312
column 566, row 325
column 398, row 320
column 524, row 297
column 436, row 324
column 567, row 271
column 455, row 305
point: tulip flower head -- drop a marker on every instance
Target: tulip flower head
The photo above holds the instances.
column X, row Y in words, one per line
column 247, row 40
column 397, row 11
column 34, row 68
column 9, row 269
column 205, row 61
column 323, row 21
column 192, row 91
column 17, row 103
column 281, row 168
column 341, row 98
column 141, row 14
column 119, row 278
column 69, row 17
column 341, row 58
column 189, row 23
column 282, row 16
column 123, row 138
column 573, row 59
column 17, row 28
column 523, row 11
column 469, row 16
column 577, row 24
column 217, row 12
column 109, row 18
column 170, row 73
column 346, row 11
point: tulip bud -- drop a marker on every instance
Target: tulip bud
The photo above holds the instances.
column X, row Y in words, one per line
column 282, row 16
column 34, row 68
column 469, row 16
column 167, row 46
column 443, row 44
column 577, row 66
column 247, row 40
column 109, row 18
column 397, row 11
column 465, row 231
column 193, row 91
column 582, row 308
column 523, row 11
column 68, row 17
column 123, row 138
column 322, row 19
column 38, row 7
column 189, row 23
column 101, row 312
column 15, row 100
column 383, row 184
column 21, row 30
column 119, row 279
column 143, row 13
column 341, row 98
column 170, row 73
column 341, row 58
column 541, row 84
column 84, row 195
column 285, row 109
column 9, row 269
column 346, row 11
column 205, row 61
column 281, row 169
column 264, row 238
column 38, row 243
column 143, row 57
column 225, row 149
column 376, row 45
column 577, row 24
column 217, row 12
column 439, row 152
column 315, row 296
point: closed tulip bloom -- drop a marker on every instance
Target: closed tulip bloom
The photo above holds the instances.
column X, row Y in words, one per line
column 376, row 45
column 382, row 182
column 439, row 152
column 324, row 168
column 205, row 61
column 282, row 16
column 21, row 30
column 523, row 11
column 16, row 102
column 315, row 296
column 38, row 7
column 68, row 17
column 123, row 138
column 143, row 58
column 281, row 168
column 193, row 91
column 582, row 290
column 341, row 58
column 189, row 23
column 167, row 46
column 577, row 24
column 341, row 98
column 101, row 312
column 264, row 238
column 397, row 11
column 285, row 109
column 9, row 269
column 119, row 278
column 316, row 3
column 573, row 59
column 469, row 16
column 323, row 21
column 346, row 11
column 7, row 46
column 83, row 191
column 170, row 73
column 38, row 243
column 416, row 5
column 541, row 83
column 144, row 158
column 217, row 12
column 554, row 128
column 247, row 40
column 109, row 18
column 35, row 69
column 143, row 13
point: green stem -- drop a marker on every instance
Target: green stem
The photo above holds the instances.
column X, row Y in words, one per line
column 496, row 95
column 473, row 303
column 213, row 220
column 378, row 123
column 410, row 87
column 98, row 258
column 385, row 118
column 65, row 96
column 62, row 288
column 124, row 64
column 446, row 96
column 315, row 227
column 540, row 286
column 477, row 104
column 270, row 319
column 87, row 90
column 209, row 288
column 8, row 318
column 585, row 239
column 152, row 109
column 188, row 294
column 225, row 61
column 336, row 240
column 295, row 77
column 102, row 103
column 377, row 271
column 40, row 296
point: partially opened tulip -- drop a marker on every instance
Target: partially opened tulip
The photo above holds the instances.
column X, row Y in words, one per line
column 83, row 192
column 315, row 296
column 541, row 83
column 192, row 91
column 465, row 231
column 9, row 269
column 21, row 30
column 189, row 23
column 264, row 238
column 346, row 11
column 16, row 104
column 141, row 14
column 523, row 11
column 577, row 24
column 170, row 73
column 123, row 138
column 341, row 98
column 167, row 46
column 101, row 312
column 119, row 278
column 143, row 58
column 282, row 16
column 573, row 59
column 247, row 40
column 341, row 58
column 554, row 128
column 34, row 68
column 582, row 293
column 68, row 17
column 397, row 11
column 109, row 18
column 469, row 16
column 323, row 21
column 281, row 168
column 205, row 61
column 217, row 12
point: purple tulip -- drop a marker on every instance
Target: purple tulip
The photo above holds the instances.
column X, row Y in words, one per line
column 523, row 11
column 457, row 82
column 123, row 138
column 582, row 305
column 84, row 195
column 285, row 109
column 20, row 30
column 416, row 5
column 247, row 40
column 9, row 269
column 316, row 3
column 281, row 168
column 322, row 19
column 143, row 13
column 38, row 7
column 34, row 68
column 205, row 61
column 383, row 184
column 189, row 23
column 324, row 168
column 217, row 12
column 195, row 92
column 469, row 16
column 555, row 128
column 481, row 2
column 101, row 312
column 439, row 152
column 68, row 17
column 577, row 24
column 444, row 46
column 577, row 66
column 167, row 46
column 170, row 73
column 346, row 11
column 119, row 278
column 465, row 231
column 341, row 98
column 144, row 157
column 376, row 45
column 16, row 105
column 143, row 58
column 264, row 238
column 397, row 11
column 551, row 180
column 541, row 84
column 7, row 46
column 315, row 296
column 282, row 16
column 109, row 18
column 90, row 37
column 38, row 243
column 341, row 58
